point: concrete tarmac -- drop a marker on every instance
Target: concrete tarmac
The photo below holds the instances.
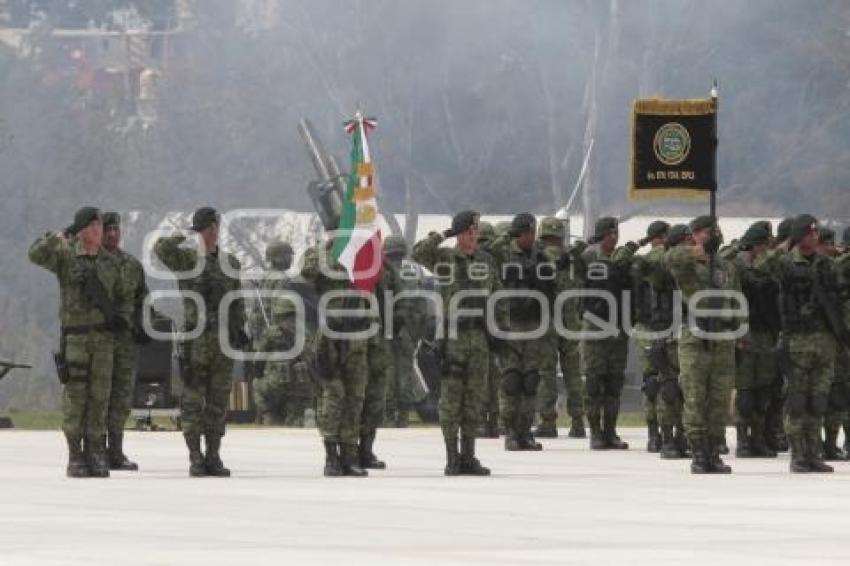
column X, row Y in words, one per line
column 564, row 505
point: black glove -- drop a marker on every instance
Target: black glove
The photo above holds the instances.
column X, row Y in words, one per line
column 632, row 247
column 644, row 241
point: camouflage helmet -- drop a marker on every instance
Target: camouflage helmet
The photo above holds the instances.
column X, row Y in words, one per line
column 279, row 249
column 502, row 228
column 552, row 227
column 395, row 246
column 486, row 231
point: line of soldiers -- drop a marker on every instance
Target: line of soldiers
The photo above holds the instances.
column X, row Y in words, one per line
column 797, row 287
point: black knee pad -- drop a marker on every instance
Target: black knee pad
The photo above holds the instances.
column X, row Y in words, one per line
column 650, row 386
column 818, row 404
column 796, row 405
column 530, row 382
column 745, row 403
column 838, row 398
column 671, row 392
column 594, row 386
column 512, row 383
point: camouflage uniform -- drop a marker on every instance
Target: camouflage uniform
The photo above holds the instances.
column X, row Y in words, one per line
column 522, row 359
column 465, row 356
column 842, row 362
column 88, row 342
column 206, row 369
column 345, row 367
column 707, row 367
column 490, row 415
column 603, row 361
column 561, row 352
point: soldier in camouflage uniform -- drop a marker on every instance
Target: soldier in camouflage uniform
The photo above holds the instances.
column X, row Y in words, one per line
column 284, row 390
column 808, row 298
column 774, row 418
column 707, row 364
column 561, row 352
column 206, row 369
column 755, row 367
column 842, row 362
column 606, row 270
column 94, row 303
column 490, row 418
column 523, row 266
column 126, row 345
column 837, row 412
column 344, row 363
column 464, row 268
column 653, row 298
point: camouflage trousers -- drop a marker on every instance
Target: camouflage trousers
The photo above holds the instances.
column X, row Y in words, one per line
column 123, row 375
column 343, row 389
column 603, row 363
column 466, row 361
column 809, row 376
column 284, row 393
column 400, row 392
column 564, row 354
column 838, row 412
column 207, row 381
column 490, row 407
column 85, row 398
column 706, row 372
column 380, row 368
column 755, row 381
column 662, row 393
column 522, row 363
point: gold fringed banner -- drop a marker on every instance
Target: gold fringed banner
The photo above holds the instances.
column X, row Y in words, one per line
column 674, row 144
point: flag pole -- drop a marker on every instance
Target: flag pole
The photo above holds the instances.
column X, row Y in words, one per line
column 713, row 196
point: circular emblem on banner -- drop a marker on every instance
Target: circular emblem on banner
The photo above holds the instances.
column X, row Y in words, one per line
column 672, row 143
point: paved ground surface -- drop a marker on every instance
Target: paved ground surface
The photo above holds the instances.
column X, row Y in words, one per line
column 565, row 505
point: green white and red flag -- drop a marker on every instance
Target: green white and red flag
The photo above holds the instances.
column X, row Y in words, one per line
column 358, row 245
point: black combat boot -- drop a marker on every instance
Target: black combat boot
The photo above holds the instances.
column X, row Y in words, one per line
column 452, row 457
column 333, row 466
column 653, row 443
column 350, row 461
column 743, row 447
column 577, row 428
column 77, row 467
column 831, row 450
column 469, row 464
column 758, row 446
column 814, row 457
column 716, row 463
column 491, row 426
column 597, row 440
column 527, row 442
column 212, row 460
column 117, row 459
column 367, row 457
column 547, row 427
column 700, row 463
column 669, row 448
column 846, row 427
column 96, row 457
column 609, row 431
column 799, row 464
column 196, row 457
column 722, row 447
column 682, row 441
column 402, row 417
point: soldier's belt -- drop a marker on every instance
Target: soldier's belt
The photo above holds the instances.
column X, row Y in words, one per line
column 84, row 329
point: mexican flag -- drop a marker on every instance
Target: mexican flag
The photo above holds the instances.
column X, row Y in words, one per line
column 358, row 245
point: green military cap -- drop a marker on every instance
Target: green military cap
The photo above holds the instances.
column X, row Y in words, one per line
column 552, row 227
column 783, row 231
column 657, row 229
column 756, row 234
column 486, row 231
column 111, row 219
column 522, row 222
column 502, row 228
column 702, row 222
column 603, row 227
column 802, row 225
column 767, row 225
column 463, row 221
column 203, row 217
column 82, row 218
column 827, row 236
column 845, row 237
column 395, row 246
column 678, row 233
column 279, row 249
